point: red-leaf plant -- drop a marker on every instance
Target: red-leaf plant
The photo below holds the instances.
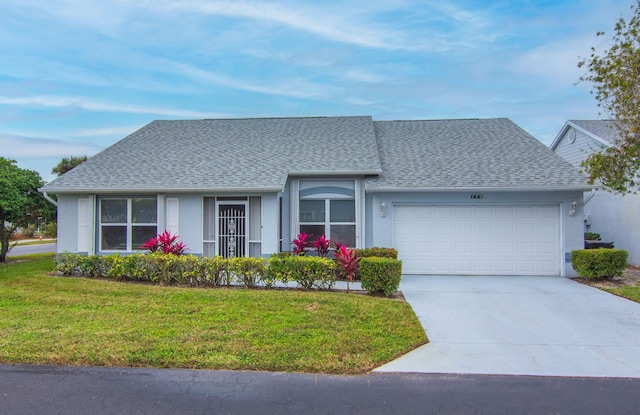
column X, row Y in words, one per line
column 348, row 262
column 322, row 245
column 165, row 243
column 300, row 243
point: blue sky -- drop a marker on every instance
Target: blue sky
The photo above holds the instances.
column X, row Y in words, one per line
column 78, row 75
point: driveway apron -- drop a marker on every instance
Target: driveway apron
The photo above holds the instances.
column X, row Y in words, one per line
column 547, row 326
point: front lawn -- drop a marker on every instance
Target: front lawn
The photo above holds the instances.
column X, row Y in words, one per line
column 77, row 321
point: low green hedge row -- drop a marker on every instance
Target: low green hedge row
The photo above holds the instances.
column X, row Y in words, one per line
column 306, row 271
column 377, row 252
column 599, row 263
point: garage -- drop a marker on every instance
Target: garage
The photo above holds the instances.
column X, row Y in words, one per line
column 521, row 239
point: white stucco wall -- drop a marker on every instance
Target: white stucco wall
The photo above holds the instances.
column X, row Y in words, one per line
column 380, row 233
column 191, row 220
column 617, row 219
column 190, row 224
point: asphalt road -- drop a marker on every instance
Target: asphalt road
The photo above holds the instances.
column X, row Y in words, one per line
column 97, row 391
column 32, row 249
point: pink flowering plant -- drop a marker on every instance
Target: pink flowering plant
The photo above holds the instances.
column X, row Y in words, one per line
column 300, row 243
column 348, row 263
column 165, row 243
column 322, row 245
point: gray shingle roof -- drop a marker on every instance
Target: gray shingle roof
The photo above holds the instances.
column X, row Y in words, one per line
column 604, row 129
column 231, row 154
column 260, row 153
column 474, row 153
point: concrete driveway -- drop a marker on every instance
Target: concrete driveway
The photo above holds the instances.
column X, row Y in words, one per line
column 548, row 326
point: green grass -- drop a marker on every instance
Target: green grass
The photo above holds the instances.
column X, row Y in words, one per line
column 630, row 292
column 77, row 321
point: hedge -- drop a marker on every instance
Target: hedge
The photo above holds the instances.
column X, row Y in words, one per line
column 307, row 272
column 599, row 263
column 380, row 275
column 377, row 252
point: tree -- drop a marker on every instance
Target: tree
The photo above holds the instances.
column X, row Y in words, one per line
column 67, row 164
column 615, row 75
column 20, row 201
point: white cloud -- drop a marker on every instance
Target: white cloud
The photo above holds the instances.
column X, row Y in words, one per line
column 107, row 131
column 95, row 105
column 293, row 87
column 364, row 76
column 18, row 146
column 554, row 62
column 363, row 24
column 300, row 17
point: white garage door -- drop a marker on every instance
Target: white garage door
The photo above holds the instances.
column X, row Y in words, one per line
column 478, row 240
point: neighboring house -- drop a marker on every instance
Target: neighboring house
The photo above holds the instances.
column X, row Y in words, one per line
column 475, row 196
column 615, row 217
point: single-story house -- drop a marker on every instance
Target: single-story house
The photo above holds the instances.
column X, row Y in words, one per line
column 467, row 196
column 615, row 217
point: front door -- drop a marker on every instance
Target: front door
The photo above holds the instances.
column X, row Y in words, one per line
column 232, row 229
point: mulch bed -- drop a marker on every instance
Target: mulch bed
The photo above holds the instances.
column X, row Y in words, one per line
column 630, row 277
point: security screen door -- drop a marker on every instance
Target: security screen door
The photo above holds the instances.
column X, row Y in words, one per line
column 232, row 229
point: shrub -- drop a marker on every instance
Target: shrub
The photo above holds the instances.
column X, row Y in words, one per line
column 51, row 230
column 68, row 264
column 300, row 243
column 380, row 275
column 212, row 271
column 377, row 252
column 599, row 263
column 347, row 263
column 29, row 231
column 322, row 245
column 247, row 271
column 165, row 243
column 592, row 236
column 279, row 269
column 309, row 272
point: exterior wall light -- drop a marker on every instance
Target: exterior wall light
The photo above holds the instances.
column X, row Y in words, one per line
column 383, row 210
column 574, row 207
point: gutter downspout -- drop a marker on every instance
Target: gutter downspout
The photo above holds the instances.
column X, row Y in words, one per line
column 593, row 193
column 49, row 199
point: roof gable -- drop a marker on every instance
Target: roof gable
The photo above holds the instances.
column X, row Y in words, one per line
column 602, row 131
column 237, row 154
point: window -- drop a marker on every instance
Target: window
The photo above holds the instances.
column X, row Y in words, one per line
column 127, row 223
column 328, row 208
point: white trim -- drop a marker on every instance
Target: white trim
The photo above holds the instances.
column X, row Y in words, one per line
column 485, row 189
column 333, row 173
column 129, row 224
column 134, row 192
column 358, row 202
column 360, row 214
column 590, row 134
column 294, row 210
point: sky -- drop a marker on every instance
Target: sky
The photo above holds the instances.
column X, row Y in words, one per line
column 78, row 75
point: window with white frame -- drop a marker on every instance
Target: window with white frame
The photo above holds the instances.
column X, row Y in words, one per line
column 127, row 223
column 328, row 207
